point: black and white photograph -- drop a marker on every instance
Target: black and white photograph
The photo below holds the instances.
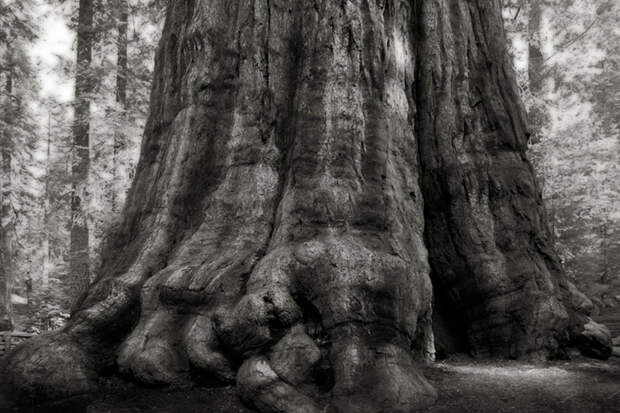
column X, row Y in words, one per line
column 309, row 206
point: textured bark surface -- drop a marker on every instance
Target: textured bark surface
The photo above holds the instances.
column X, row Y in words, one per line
column 7, row 216
column 495, row 273
column 79, row 262
column 6, row 235
column 122, row 76
column 275, row 232
column 534, row 40
column 536, row 72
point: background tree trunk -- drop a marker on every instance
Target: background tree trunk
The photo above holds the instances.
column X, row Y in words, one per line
column 47, row 210
column 122, row 72
column 7, row 221
column 305, row 167
column 535, row 70
column 535, row 56
column 6, row 244
column 79, row 245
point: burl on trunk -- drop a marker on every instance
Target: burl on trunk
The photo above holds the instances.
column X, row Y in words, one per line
column 307, row 168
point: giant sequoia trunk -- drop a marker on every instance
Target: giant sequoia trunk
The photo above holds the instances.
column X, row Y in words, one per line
column 307, row 168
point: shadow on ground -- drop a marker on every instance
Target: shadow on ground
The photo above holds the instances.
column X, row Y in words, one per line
column 577, row 386
column 464, row 385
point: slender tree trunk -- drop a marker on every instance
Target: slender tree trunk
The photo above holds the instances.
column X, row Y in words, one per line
column 307, row 169
column 121, row 99
column 79, row 248
column 121, row 61
column 6, row 261
column 6, row 211
column 535, row 57
column 536, row 67
column 46, row 208
column 605, row 273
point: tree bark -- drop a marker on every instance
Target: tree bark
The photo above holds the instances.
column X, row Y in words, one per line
column 535, row 56
column 7, row 222
column 535, row 70
column 121, row 60
column 79, row 244
column 495, row 273
column 6, row 250
column 306, row 169
column 122, row 75
column 47, row 211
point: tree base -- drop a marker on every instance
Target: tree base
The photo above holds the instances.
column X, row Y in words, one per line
column 48, row 368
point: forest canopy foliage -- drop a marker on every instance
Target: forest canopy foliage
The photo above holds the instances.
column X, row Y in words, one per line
column 576, row 150
column 38, row 71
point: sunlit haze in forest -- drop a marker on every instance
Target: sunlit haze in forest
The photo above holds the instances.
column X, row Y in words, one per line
column 54, row 43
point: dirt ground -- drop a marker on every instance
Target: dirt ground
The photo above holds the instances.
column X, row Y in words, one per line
column 578, row 386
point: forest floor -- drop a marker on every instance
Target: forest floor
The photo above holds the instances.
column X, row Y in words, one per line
column 577, row 386
column 464, row 385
